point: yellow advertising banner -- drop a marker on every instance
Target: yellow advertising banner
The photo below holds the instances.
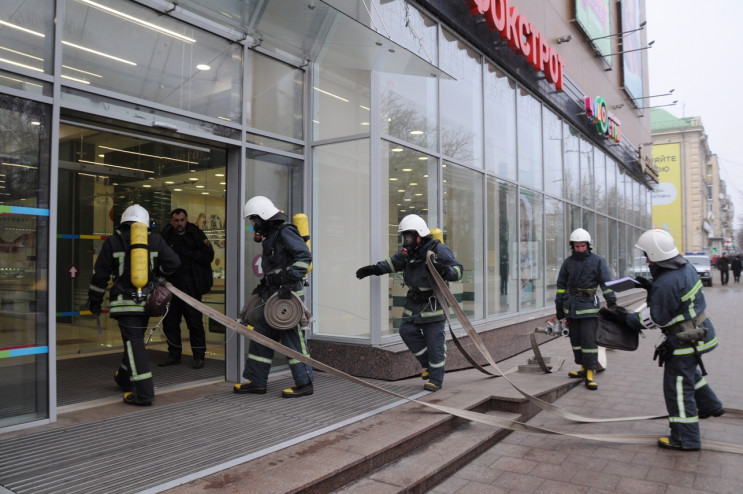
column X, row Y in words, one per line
column 667, row 208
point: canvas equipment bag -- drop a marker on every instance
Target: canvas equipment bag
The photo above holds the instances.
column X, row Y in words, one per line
column 610, row 334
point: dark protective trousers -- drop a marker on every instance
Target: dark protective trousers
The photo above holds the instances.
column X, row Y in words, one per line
column 724, row 276
column 258, row 363
column 583, row 340
column 686, row 393
column 194, row 322
column 427, row 341
column 132, row 329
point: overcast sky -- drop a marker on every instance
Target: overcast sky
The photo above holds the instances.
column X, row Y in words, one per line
column 698, row 51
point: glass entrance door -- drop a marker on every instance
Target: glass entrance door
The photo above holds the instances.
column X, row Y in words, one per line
column 102, row 172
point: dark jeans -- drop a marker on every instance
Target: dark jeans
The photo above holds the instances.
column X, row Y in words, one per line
column 724, row 277
column 194, row 322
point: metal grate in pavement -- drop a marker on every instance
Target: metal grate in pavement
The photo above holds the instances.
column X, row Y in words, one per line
column 151, row 449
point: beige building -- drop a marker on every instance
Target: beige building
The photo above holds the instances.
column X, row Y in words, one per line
column 691, row 200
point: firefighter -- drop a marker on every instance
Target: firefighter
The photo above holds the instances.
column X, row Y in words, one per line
column 126, row 305
column 676, row 306
column 577, row 301
column 423, row 323
column 286, row 259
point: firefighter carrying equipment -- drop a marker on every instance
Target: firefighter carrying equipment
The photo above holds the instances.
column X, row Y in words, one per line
column 491, row 420
column 286, row 313
column 139, row 255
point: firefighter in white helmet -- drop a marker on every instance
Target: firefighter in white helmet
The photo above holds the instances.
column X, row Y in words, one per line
column 285, row 262
column 114, row 259
column 581, row 277
column 676, row 306
column 423, row 324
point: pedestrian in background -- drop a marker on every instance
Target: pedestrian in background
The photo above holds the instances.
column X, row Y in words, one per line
column 737, row 267
column 285, row 262
column 423, row 322
column 194, row 277
column 114, row 260
column 577, row 301
column 676, row 306
column 723, row 264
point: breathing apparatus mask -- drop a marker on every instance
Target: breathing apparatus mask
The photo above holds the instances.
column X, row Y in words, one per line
column 259, row 226
column 410, row 241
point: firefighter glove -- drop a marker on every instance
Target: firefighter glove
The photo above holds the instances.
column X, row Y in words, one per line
column 94, row 306
column 362, row 273
column 285, row 291
column 560, row 314
column 442, row 269
column 644, row 282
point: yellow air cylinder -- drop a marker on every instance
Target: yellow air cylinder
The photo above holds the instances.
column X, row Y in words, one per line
column 437, row 234
column 139, row 254
column 303, row 225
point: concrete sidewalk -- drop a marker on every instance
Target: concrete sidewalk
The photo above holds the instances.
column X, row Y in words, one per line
column 631, row 385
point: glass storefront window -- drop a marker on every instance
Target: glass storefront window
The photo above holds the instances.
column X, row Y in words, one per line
column 341, row 100
column 529, row 118
column 461, row 101
column 410, row 182
column 26, row 84
column 587, row 173
column 571, row 163
column 463, row 233
column 500, row 123
column 408, row 109
column 602, row 238
column 275, row 96
column 502, row 233
column 24, row 263
column 530, row 250
column 139, row 52
column 552, row 142
column 612, row 258
column 612, row 197
column 342, row 240
column 554, row 242
column 599, row 166
column 27, row 35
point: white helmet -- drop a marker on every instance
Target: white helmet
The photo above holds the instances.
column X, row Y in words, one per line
column 414, row 222
column 658, row 245
column 580, row 235
column 260, row 206
column 136, row 213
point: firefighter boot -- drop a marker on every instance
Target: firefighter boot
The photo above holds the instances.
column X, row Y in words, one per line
column 590, row 384
column 122, row 378
column 425, row 374
column 249, row 387
column 297, row 391
column 581, row 373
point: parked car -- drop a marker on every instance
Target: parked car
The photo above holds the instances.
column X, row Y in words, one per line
column 702, row 264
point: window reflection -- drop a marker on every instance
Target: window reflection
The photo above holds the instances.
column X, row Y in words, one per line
column 529, row 118
column 500, row 123
column 408, row 109
column 26, row 35
column 530, row 263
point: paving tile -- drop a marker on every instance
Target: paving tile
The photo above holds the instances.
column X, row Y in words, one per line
column 520, row 483
column 638, row 486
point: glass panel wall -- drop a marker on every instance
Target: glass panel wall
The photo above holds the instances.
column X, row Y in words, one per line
column 587, row 180
column 555, row 243
column 571, row 163
column 27, row 35
column 132, row 50
column 24, row 263
column 500, row 123
column 418, row 32
column 529, row 119
column 502, row 231
column 461, row 101
column 463, row 233
column 552, row 141
column 340, row 100
column 408, row 109
column 342, row 240
column 531, row 250
column 275, row 96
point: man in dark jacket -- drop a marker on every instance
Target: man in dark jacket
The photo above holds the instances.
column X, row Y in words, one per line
column 676, row 306
column 127, row 307
column 723, row 264
column 194, row 277
column 285, row 262
column 577, row 300
column 423, row 323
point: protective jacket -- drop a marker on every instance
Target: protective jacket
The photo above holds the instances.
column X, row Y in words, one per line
column 675, row 305
column 420, row 302
column 675, row 296
column 286, row 259
column 580, row 276
column 196, row 253
column 113, row 261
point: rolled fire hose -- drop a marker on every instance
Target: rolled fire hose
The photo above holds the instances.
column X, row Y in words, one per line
column 283, row 313
column 491, row 420
column 252, row 310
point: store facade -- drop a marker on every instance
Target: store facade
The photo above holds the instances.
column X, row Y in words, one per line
column 355, row 113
